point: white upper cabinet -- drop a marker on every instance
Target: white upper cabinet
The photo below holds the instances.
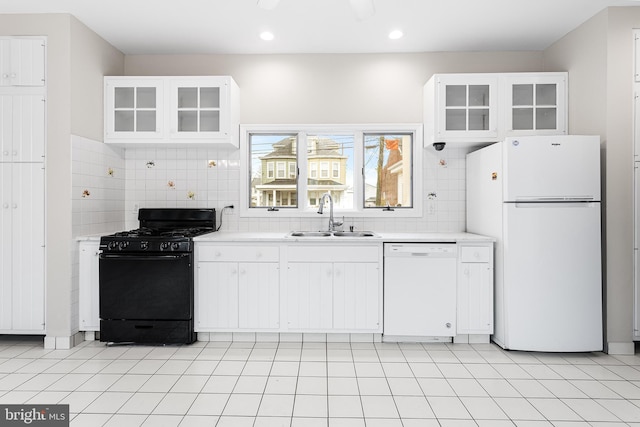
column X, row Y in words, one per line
column 22, row 127
column 22, row 61
column 179, row 110
column 133, row 109
column 199, row 108
column 636, row 55
column 536, row 104
column 475, row 109
column 459, row 107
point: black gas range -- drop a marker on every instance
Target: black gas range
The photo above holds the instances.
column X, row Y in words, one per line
column 147, row 276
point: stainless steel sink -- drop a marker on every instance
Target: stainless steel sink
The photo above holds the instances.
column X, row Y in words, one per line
column 355, row 234
column 310, row 234
column 334, row 234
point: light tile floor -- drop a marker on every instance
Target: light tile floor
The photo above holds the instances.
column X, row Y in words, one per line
column 319, row 384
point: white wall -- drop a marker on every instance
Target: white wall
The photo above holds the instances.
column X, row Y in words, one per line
column 331, row 88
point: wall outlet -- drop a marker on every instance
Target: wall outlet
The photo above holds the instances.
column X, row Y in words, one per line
column 431, row 207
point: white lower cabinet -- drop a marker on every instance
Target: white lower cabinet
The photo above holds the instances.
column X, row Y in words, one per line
column 310, row 295
column 259, row 295
column 288, row 288
column 88, row 284
column 475, row 290
column 237, row 287
column 327, row 294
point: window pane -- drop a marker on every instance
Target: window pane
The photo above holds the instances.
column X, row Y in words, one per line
column 270, row 184
column 387, row 170
column 330, row 159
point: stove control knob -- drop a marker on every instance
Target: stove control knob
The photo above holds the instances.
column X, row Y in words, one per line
column 112, row 245
column 144, row 245
column 123, row 245
column 164, row 245
column 175, row 246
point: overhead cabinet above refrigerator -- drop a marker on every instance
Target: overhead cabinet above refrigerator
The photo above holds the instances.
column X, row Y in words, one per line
column 477, row 109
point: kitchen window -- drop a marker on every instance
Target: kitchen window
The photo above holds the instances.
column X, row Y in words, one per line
column 372, row 170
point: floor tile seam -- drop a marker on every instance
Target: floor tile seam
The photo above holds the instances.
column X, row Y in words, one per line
column 597, row 403
column 598, row 381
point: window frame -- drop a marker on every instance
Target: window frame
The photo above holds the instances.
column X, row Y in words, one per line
column 358, row 131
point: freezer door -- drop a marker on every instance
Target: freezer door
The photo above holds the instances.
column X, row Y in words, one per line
column 552, row 277
column 552, row 167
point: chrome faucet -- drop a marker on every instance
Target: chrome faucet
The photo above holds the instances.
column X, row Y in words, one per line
column 332, row 223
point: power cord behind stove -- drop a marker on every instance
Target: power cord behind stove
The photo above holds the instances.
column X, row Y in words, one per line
column 222, row 215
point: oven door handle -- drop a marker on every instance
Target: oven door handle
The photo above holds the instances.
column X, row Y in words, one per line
column 144, row 257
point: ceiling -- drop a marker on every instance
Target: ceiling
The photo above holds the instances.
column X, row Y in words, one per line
column 322, row 26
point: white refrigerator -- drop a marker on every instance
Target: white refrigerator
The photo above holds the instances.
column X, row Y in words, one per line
column 539, row 196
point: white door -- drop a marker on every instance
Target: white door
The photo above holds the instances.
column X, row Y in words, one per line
column 6, row 241
column 356, row 300
column 309, row 294
column 636, row 254
column 259, row 295
column 551, row 166
column 552, row 277
column 88, row 287
column 22, row 132
column 27, row 207
column 216, row 296
column 22, row 62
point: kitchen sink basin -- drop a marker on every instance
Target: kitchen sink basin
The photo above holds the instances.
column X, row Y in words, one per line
column 333, row 234
column 310, row 234
column 355, row 234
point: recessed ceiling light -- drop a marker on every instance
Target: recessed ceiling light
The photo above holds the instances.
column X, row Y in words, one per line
column 395, row 34
column 266, row 35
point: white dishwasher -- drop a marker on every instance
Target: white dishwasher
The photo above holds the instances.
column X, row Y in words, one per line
column 419, row 290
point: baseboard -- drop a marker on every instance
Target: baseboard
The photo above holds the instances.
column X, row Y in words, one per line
column 621, row 348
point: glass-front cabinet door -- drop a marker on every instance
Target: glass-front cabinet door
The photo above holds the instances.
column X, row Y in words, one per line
column 133, row 108
column 199, row 108
column 536, row 104
column 466, row 107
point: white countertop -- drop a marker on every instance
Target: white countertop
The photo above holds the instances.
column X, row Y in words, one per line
column 228, row 236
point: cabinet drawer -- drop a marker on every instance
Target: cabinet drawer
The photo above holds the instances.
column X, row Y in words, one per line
column 476, row 254
column 238, row 253
column 321, row 253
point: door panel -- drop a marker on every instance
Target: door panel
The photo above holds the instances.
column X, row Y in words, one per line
column 309, row 291
column 259, row 295
column 27, row 209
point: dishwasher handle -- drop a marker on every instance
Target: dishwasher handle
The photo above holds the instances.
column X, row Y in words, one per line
column 420, row 250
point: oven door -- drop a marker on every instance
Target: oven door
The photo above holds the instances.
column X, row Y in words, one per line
column 146, row 287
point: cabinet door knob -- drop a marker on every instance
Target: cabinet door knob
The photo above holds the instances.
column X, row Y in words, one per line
column 15, row 206
column 5, row 205
column 448, row 325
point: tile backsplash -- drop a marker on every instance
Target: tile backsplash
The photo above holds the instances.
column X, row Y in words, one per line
column 120, row 181
column 98, row 181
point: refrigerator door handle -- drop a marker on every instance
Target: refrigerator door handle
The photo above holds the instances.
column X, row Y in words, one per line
column 547, row 205
column 556, row 199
